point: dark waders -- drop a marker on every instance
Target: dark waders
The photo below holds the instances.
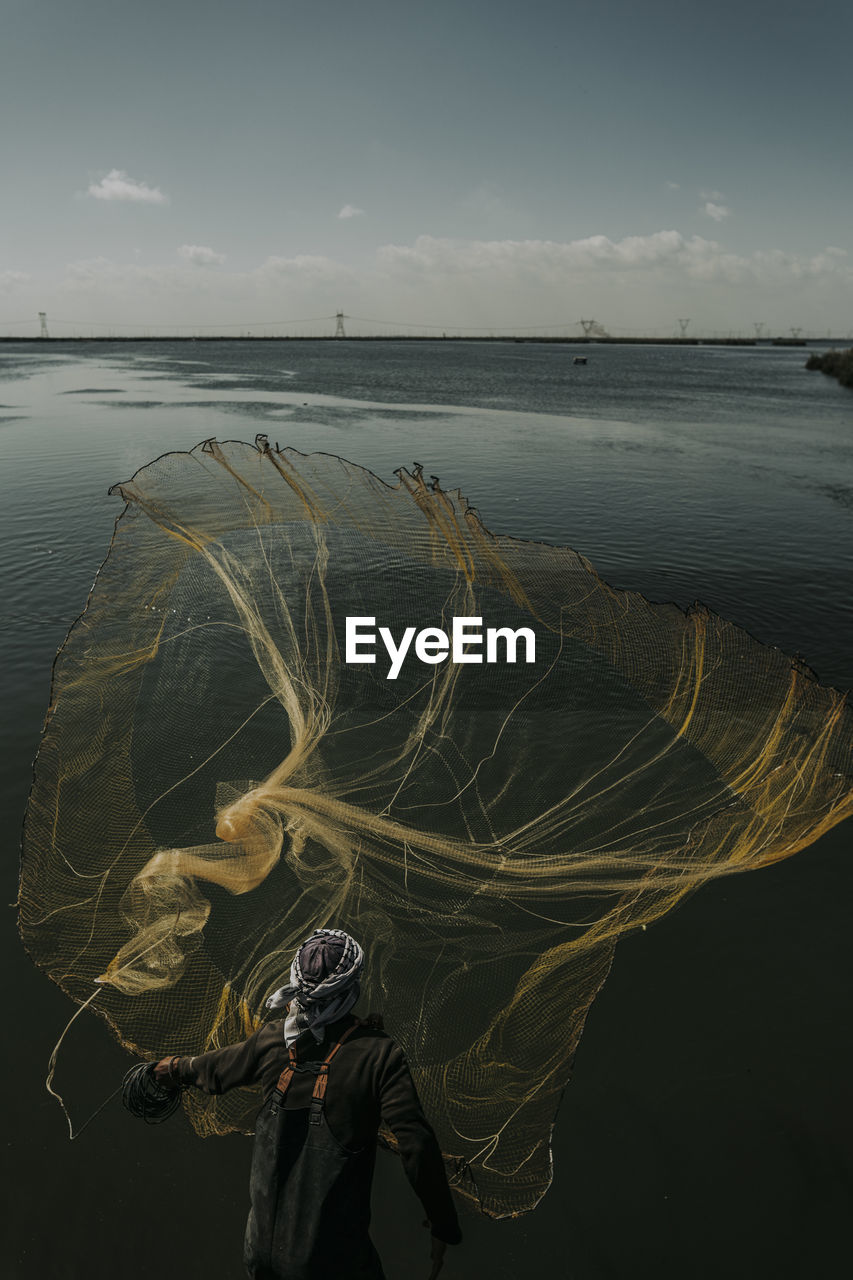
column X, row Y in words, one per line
column 310, row 1197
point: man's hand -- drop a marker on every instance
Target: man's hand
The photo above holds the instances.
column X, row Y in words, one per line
column 165, row 1073
column 437, row 1251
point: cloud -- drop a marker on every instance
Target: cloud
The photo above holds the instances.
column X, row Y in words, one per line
column 715, row 205
column 118, row 186
column 635, row 262
column 350, row 211
column 200, row 255
column 496, row 266
column 10, row 280
column 674, row 186
column 545, row 259
column 636, row 283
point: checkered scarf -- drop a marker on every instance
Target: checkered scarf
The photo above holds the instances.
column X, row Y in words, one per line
column 324, row 983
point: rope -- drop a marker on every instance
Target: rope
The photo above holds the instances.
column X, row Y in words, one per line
column 51, row 1069
column 145, row 1099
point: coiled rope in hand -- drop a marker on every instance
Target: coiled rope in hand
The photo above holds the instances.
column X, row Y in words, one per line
column 145, row 1098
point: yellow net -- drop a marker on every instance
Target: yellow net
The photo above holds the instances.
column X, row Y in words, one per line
column 216, row 780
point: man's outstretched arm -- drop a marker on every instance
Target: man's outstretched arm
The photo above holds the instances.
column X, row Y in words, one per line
column 215, row 1071
column 401, row 1111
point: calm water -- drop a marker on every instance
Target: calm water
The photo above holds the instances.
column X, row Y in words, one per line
column 704, row 1132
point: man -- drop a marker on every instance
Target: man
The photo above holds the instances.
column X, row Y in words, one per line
column 328, row 1081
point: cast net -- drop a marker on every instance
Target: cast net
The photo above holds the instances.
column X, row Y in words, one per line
column 215, row 781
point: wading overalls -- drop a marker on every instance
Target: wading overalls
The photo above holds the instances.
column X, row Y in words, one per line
column 310, row 1197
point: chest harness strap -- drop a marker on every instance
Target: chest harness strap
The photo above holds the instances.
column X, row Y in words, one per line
column 318, row 1097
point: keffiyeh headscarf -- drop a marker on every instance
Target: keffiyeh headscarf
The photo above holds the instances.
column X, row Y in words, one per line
column 324, row 983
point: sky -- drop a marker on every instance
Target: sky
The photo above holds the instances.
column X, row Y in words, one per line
column 462, row 165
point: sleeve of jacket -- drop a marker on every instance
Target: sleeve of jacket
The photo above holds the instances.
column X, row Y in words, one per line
column 223, row 1069
column 401, row 1110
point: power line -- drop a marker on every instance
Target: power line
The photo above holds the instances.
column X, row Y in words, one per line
column 171, row 326
column 591, row 328
column 157, row 324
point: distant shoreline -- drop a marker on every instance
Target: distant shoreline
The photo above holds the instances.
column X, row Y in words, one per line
column 572, row 342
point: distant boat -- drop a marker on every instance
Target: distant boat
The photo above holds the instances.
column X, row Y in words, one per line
column 579, row 360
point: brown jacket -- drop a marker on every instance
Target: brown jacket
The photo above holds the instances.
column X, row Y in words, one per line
column 369, row 1084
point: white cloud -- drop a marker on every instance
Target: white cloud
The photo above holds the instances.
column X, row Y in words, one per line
column 635, row 264
column 547, row 259
column 117, row 185
column 350, row 211
column 674, row 186
column 495, row 265
column 10, row 280
column 200, row 255
column 635, row 283
column 717, row 211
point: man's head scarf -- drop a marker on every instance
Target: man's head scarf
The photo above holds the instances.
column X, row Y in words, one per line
column 324, row 983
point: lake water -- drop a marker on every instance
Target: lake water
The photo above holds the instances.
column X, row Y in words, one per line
column 707, row 1130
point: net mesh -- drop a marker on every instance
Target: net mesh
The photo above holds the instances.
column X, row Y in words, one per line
column 215, row 782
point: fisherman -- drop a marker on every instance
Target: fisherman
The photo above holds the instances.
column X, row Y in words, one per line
column 328, row 1080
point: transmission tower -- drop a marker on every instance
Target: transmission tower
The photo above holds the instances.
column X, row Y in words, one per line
column 43, row 319
column 795, row 333
column 684, row 324
column 759, row 328
column 592, row 329
column 339, row 327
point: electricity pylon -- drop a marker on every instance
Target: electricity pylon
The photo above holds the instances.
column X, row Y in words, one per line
column 592, row 329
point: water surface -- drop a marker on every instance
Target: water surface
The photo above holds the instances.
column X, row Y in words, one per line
column 709, row 1082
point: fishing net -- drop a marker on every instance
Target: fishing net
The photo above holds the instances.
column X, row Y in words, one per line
column 216, row 780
